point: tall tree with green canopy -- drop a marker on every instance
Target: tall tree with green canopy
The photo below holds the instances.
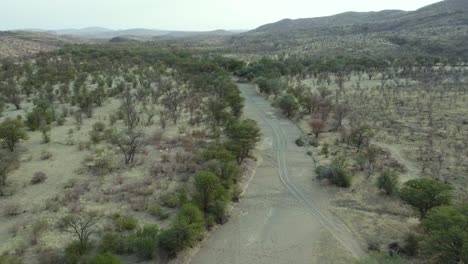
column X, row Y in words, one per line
column 425, row 194
column 447, row 233
column 206, row 184
column 244, row 136
column 186, row 229
column 12, row 131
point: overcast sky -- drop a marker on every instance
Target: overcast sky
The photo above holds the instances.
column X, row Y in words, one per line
column 178, row 14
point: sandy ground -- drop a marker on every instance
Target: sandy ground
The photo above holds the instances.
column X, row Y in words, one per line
column 283, row 216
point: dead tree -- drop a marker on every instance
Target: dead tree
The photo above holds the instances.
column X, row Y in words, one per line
column 129, row 143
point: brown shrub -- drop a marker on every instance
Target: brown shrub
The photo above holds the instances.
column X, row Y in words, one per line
column 12, row 209
column 38, row 177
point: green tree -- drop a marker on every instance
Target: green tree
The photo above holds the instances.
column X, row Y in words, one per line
column 186, row 229
column 288, row 104
column 206, row 184
column 12, row 131
column 388, row 182
column 447, row 233
column 244, row 136
column 425, row 194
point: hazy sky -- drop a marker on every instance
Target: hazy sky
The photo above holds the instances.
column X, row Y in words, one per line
column 178, row 14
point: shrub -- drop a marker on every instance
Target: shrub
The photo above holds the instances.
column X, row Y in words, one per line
column 411, row 244
column 106, row 258
column 99, row 126
column 11, row 209
column 300, row 142
column 45, row 155
column 145, row 241
column 37, row 229
column 388, row 182
column 124, row 222
column 336, row 174
column 10, row 259
column 159, row 212
column 50, row 256
column 169, row 200
column 94, row 136
column 38, row 177
column 112, row 242
column 75, row 250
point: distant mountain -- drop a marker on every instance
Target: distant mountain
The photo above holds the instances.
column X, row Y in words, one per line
column 104, row 33
column 437, row 29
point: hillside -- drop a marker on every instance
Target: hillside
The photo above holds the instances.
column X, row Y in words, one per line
column 437, row 29
column 19, row 44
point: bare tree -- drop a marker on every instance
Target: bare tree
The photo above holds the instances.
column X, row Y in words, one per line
column 81, row 225
column 340, row 111
column 317, row 126
column 129, row 143
column 128, row 108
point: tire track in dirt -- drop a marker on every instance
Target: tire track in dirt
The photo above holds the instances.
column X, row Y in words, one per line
column 339, row 230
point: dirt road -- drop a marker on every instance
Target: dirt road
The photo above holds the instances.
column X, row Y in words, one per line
column 282, row 217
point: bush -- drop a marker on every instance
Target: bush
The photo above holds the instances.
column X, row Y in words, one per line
column 169, row 200
column 185, row 230
column 300, row 142
column 112, row 242
column 9, row 259
column 411, row 244
column 125, row 223
column 99, row 126
column 159, row 212
column 50, row 256
column 336, row 174
column 45, row 155
column 106, row 258
column 12, row 209
column 388, row 182
column 95, row 136
column 145, row 241
column 74, row 251
column 38, row 177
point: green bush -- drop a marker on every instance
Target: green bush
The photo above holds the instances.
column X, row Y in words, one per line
column 125, row 222
column 169, row 200
column 337, row 175
column 185, row 230
column 95, row 136
column 9, row 259
column 300, row 142
column 75, row 251
column 411, row 244
column 99, row 127
column 388, row 182
column 112, row 242
column 145, row 242
column 158, row 211
column 106, row 258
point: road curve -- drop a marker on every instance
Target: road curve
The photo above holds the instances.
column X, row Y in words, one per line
column 282, row 217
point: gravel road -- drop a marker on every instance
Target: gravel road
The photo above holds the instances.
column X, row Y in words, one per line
column 282, row 218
